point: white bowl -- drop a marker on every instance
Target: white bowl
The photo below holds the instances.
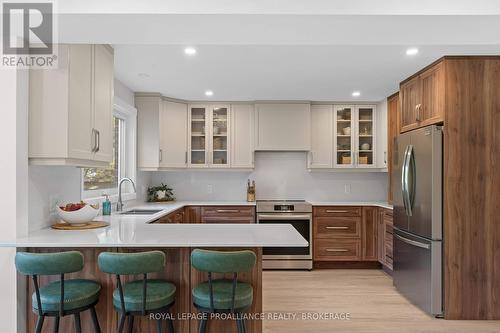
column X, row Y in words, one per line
column 83, row 215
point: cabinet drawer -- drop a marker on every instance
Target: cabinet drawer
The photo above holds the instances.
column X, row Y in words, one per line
column 388, row 250
column 228, row 219
column 227, row 211
column 332, row 227
column 337, row 211
column 337, row 249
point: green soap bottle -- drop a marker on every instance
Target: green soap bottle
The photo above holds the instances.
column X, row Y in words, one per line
column 106, row 206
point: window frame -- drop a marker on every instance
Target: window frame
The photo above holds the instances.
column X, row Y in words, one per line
column 126, row 154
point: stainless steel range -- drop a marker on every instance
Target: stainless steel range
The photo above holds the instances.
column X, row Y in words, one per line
column 298, row 213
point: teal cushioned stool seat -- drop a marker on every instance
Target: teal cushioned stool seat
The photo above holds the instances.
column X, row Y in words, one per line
column 222, row 293
column 160, row 293
column 139, row 297
column 59, row 298
column 77, row 293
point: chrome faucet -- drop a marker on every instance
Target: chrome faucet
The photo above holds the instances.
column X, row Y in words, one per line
column 119, row 204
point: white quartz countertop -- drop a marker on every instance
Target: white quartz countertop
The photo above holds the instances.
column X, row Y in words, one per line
column 383, row 204
column 136, row 231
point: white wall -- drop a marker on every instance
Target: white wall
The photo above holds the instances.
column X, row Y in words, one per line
column 64, row 183
column 278, row 175
column 13, row 193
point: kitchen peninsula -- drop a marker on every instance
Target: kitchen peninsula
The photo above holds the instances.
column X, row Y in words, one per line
column 127, row 233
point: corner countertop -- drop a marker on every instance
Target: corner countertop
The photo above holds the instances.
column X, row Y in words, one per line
column 383, row 204
column 136, row 231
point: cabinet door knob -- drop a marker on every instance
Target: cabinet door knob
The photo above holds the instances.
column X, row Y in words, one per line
column 161, row 155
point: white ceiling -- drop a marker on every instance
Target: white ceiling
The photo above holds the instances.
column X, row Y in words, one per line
column 318, row 73
column 278, row 49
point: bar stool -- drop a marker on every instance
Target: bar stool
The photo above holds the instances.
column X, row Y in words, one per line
column 139, row 297
column 60, row 298
column 223, row 295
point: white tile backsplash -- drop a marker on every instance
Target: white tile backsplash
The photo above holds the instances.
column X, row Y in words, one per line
column 278, row 175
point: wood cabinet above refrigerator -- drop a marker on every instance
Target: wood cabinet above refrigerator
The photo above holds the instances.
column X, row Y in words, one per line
column 422, row 98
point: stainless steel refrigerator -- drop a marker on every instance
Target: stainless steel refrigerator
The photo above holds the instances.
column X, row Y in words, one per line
column 417, row 190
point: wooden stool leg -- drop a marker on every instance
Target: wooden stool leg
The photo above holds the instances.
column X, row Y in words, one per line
column 78, row 324
column 158, row 326
column 130, row 324
column 97, row 328
column 56, row 324
column 39, row 324
column 122, row 322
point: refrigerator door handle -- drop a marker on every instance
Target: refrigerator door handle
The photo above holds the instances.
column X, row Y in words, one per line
column 412, row 242
column 410, row 180
column 404, row 171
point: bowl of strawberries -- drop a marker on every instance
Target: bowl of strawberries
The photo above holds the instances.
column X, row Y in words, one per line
column 80, row 212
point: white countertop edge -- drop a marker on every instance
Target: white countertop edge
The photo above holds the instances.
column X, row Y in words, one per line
column 133, row 234
column 352, row 203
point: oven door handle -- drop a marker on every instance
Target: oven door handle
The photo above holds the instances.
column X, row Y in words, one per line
column 283, row 217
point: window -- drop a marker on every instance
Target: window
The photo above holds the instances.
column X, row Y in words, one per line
column 105, row 179
column 96, row 181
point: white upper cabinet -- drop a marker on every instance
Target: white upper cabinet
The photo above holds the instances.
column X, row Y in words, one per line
column 242, row 135
column 345, row 137
column 366, row 136
column 283, row 127
column 209, row 136
column 173, row 135
column 103, row 102
column 321, row 152
column 148, row 131
column 161, row 133
column 71, row 108
column 355, row 130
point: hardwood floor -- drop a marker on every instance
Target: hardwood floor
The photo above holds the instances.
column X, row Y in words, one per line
column 368, row 295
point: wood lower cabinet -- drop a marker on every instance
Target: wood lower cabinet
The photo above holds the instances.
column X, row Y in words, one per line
column 369, row 234
column 337, row 249
column 174, row 217
column 345, row 233
column 384, row 237
column 192, row 214
column 228, row 214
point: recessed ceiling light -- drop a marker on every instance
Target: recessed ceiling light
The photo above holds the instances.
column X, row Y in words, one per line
column 143, row 75
column 190, row 50
column 209, row 93
column 412, row 51
column 356, row 94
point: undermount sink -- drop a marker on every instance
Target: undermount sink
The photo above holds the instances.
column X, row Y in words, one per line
column 141, row 212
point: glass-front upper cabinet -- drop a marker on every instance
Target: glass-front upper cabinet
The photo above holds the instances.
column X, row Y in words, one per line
column 219, row 141
column 198, row 120
column 343, row 119
column 209, row 136
column 365, row 136
column 354, row 136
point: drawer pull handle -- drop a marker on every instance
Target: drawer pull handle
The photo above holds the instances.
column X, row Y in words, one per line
column 227, row 211
column 336, row 211
column 337, row 228
column 337, row 250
